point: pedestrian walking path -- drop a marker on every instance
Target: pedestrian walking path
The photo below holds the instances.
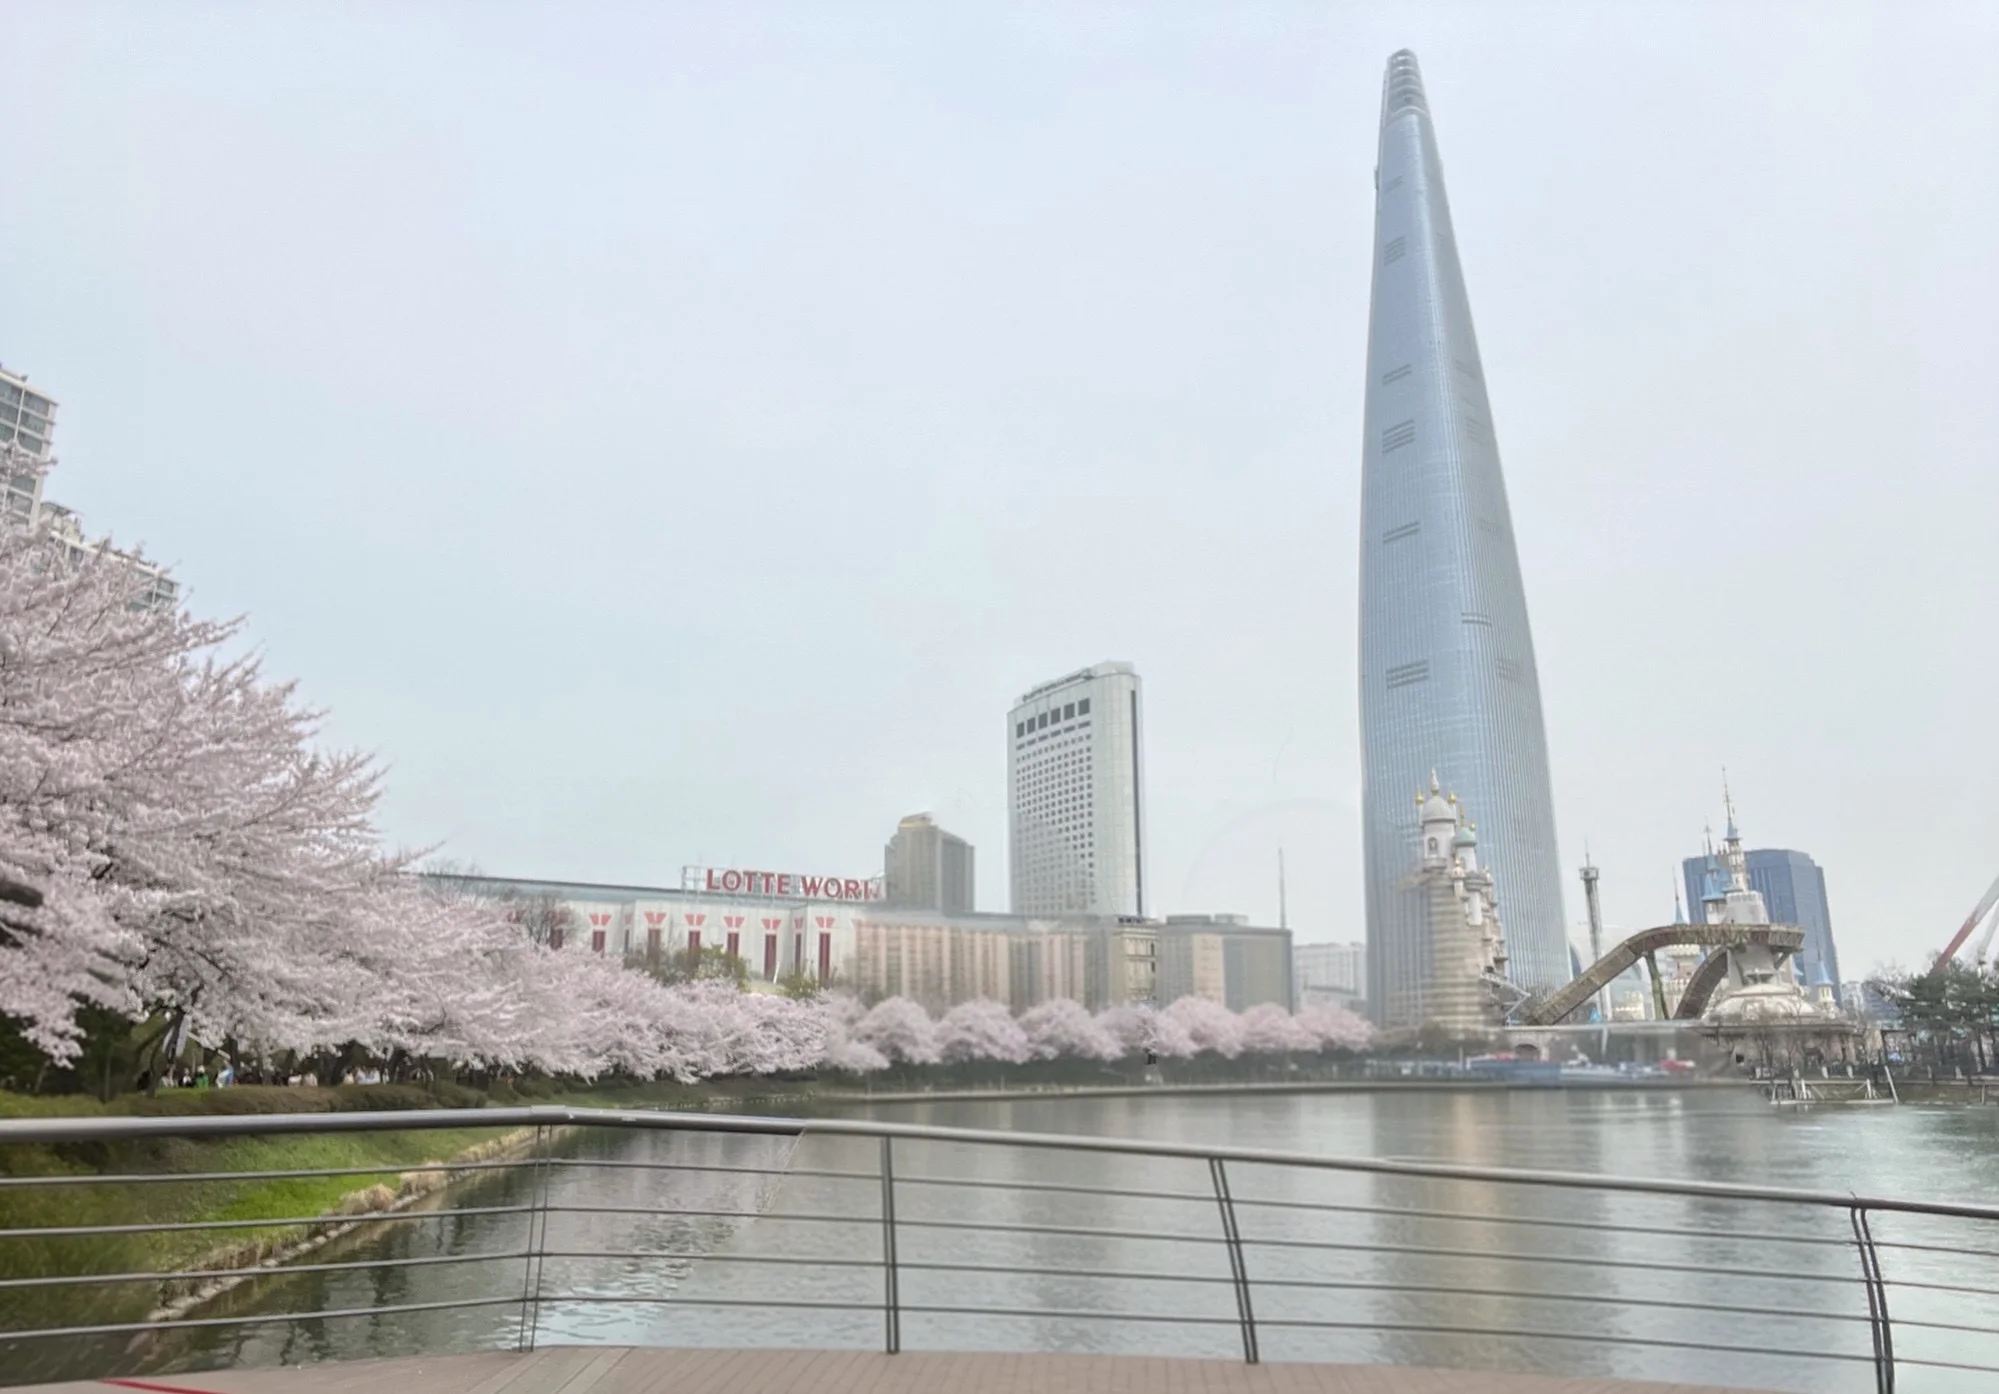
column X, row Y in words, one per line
column 621, row 1370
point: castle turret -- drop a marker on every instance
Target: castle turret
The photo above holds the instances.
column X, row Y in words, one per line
column 1439, row 824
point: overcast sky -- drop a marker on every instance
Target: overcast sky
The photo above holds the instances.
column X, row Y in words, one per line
column 675, row 434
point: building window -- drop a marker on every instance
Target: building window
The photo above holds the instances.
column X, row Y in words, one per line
column 1069, row 712
column 1083, row 707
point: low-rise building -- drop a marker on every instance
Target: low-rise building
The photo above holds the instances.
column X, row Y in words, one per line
column 1332, row 975
column 1225, row 959
column 863, row 944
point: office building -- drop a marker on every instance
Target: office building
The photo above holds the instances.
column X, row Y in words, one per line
column 926, row 868
column 27, row 422
column 1793, row 889
column 1075, row 795
column 941, row 960
column 1330, row 975
column 1225, row 959
column 1447, row 674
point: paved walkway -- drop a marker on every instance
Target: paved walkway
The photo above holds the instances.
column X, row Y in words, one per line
column 616, row 1370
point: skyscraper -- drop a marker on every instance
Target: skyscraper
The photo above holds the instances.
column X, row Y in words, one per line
column 1447, row 678
column 1075, row 795
column 1793, row 887
column 926, row 868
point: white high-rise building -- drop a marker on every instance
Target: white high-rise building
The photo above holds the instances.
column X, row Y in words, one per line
column 27, row 422
column 27, row 428
column 1075, row 792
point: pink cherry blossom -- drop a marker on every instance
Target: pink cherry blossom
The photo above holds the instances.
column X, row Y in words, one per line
column 982, row 1030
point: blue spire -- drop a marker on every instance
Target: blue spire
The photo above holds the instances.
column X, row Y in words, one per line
column 1712, row 886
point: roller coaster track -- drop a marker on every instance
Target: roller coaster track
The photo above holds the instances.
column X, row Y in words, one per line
column 1700, row 988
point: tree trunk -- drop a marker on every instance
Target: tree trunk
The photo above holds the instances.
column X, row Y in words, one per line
column 168, row 1030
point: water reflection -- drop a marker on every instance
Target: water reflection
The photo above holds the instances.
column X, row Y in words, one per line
column 732, row 1240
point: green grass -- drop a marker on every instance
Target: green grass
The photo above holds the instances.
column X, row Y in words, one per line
column 381, row 1158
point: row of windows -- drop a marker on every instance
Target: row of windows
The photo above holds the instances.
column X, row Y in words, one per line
column 33, row 444
column 10, row 394
column 1068, row 744
column 1069, row 711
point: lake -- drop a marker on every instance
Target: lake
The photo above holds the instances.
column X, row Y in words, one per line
column 1341, row 1271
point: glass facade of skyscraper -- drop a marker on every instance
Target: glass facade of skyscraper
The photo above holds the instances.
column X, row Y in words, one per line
column 1447, row 675
column 1793, row 888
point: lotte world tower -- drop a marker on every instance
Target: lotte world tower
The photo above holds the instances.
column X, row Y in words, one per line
column 1447, row 680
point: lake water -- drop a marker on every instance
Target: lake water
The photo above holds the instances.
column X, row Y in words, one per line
column 1140, row 1269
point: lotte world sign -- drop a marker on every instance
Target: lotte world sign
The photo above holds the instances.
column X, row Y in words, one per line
column 779, row 885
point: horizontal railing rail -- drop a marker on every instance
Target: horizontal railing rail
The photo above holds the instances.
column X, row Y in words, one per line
column 945, row 1226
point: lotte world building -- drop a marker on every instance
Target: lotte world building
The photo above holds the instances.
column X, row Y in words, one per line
column 1447, row 678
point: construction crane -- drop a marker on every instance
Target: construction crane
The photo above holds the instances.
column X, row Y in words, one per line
column 1980, row 956
column 1985, row 905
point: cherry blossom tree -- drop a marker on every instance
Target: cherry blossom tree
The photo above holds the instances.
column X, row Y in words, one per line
column 1138, row 1027
column 99, row 708
column 1209, row 1026
column 853, row 1057
column 901, row 1030
column 982, row 1030
column 1267, row 1029
column 1062, row 1027
column 1335, row 1028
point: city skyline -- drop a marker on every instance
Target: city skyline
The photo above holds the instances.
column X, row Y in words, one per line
column 1448, row 684
column 636, row 525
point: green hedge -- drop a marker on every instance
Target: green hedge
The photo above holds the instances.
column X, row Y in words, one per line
column 277, row 1098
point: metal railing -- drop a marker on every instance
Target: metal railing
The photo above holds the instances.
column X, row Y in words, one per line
column 969, row 1239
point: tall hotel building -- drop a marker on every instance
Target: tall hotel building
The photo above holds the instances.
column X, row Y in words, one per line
column 1075, row 793
column 1447, row 679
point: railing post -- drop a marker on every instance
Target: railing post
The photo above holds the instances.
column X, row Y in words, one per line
column 1238, row 1269
column 891, row 1282
column 1878, row 1324
column 537, row 1243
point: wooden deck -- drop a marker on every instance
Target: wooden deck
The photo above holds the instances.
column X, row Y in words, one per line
column 617, row 1370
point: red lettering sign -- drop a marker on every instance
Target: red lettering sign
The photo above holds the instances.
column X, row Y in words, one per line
column 742, row 881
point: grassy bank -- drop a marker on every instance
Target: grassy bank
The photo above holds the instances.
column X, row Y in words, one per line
column 375, row 1166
